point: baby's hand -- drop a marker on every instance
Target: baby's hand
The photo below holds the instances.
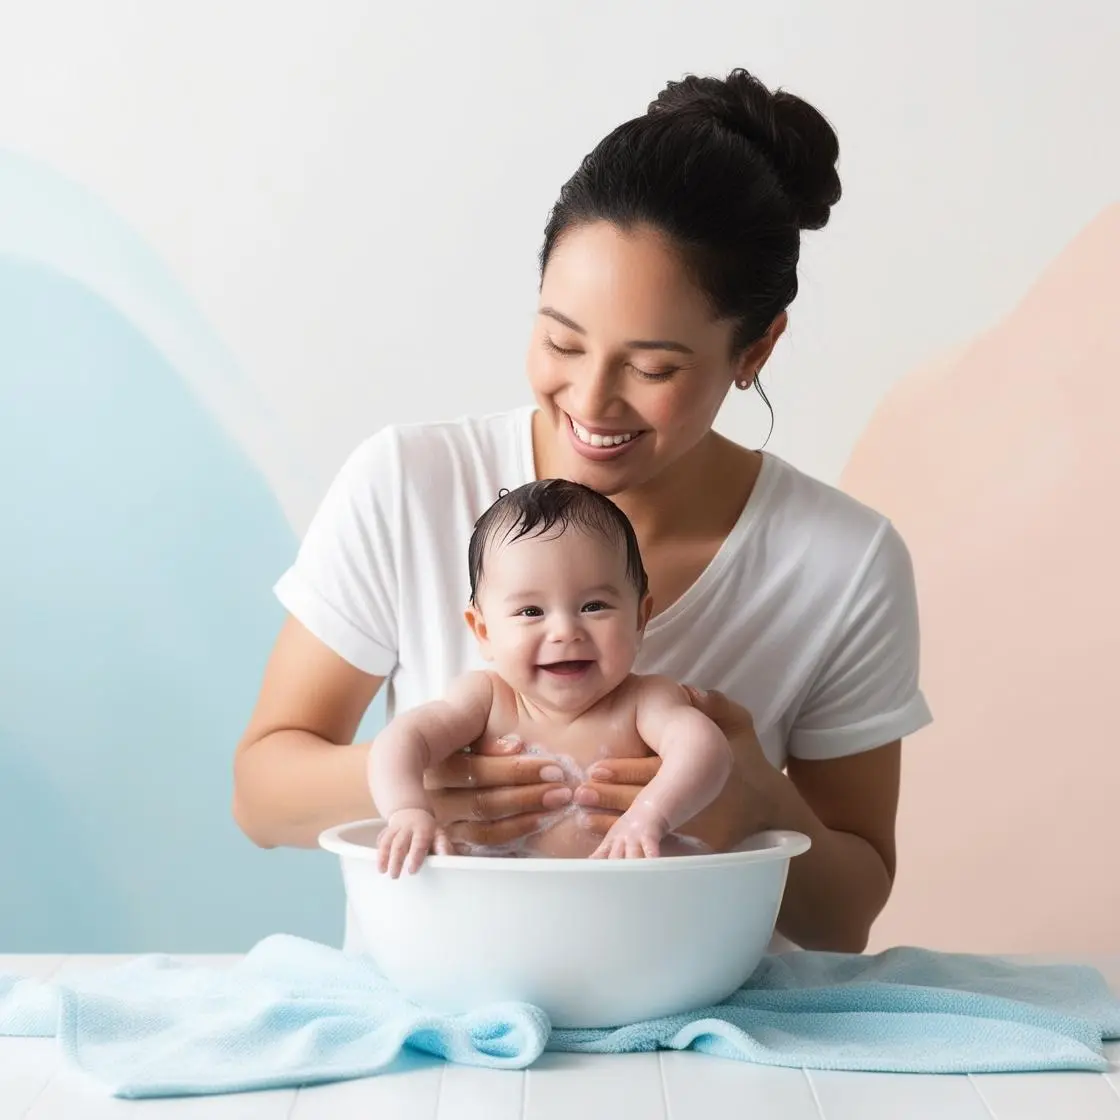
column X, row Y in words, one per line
column 412, row 833
column 635, row 835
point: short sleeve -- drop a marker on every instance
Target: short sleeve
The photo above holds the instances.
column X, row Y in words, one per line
column 866, row 693
column 343, row 584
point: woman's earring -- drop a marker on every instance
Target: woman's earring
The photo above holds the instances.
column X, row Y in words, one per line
column 747, row 382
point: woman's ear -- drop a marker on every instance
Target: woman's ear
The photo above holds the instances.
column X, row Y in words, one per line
column 477, row 626
column 758, row 353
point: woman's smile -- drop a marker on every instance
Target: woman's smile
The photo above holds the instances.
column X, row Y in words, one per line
column 601, row 444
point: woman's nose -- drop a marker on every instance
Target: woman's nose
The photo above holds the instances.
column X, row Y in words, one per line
column 594, row 390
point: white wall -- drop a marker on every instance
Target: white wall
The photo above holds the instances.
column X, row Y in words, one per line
column 354, row 193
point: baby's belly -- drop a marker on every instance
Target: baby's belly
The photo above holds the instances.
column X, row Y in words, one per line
column 566, row 835
column 567, row 838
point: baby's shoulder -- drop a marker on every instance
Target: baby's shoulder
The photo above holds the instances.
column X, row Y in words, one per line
column 504, row 708
column 655, row 688
column 474, row 682
column 657, row 699
column 639, row 696
column 478, row 691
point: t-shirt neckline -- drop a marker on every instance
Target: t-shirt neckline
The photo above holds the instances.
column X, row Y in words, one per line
column 757, row 500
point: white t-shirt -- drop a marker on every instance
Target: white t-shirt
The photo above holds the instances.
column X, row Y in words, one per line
column 807, row 615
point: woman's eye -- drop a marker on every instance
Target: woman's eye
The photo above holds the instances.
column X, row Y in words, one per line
column 550, row 345
column 644, row 374
column 655, row 375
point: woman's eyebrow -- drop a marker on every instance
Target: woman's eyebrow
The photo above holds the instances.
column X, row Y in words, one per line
column 552, row 313
column 637, row 344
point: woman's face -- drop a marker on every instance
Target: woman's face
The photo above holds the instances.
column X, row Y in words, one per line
column 628, row 365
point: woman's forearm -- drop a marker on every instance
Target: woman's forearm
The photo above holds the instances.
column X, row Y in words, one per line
column 837, row 888
column 290, row 785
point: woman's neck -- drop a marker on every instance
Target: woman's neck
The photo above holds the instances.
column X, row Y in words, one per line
column 700, row 495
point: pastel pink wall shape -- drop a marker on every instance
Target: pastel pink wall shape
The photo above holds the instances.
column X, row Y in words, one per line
column 1000, row 464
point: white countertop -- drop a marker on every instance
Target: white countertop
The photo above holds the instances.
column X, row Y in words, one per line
column 660, row 1086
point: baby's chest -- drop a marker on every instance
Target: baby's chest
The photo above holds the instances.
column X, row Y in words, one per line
column 583, row 742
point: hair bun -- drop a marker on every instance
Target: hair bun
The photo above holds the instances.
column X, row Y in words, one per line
column 799, row 143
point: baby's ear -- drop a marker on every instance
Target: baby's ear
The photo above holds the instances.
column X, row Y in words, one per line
column 477, row 626
column 645, row 609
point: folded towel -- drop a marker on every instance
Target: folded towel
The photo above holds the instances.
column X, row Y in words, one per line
column 292, row 1012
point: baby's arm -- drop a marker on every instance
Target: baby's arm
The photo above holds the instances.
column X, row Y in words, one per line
column 402, row 752
column 695, row 764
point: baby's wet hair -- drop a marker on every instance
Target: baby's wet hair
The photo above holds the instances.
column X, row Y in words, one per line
column 554, row 503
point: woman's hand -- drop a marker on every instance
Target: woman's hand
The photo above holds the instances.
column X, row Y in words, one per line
column 739, row 811
column 495, row 796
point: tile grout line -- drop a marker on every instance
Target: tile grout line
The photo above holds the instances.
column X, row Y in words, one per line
column 664, row 1087
column 983, row 1099
column 439, row 1089
column 1110, row 1083
column 58, row 967
column 35, row 1099
column 295, row 1100
column 54, row 1072
column 813, row 1090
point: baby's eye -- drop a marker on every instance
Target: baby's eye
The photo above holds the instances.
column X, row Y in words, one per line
column 530, row 612
column 596, row 605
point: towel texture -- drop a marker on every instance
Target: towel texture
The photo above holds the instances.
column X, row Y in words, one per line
column 293, row 1012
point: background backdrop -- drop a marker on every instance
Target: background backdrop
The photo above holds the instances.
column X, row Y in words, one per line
column 237, row 238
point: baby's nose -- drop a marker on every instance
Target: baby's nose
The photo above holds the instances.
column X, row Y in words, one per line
column 564, row 627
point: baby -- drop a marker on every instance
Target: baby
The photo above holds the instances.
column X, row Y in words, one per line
column 559, row 603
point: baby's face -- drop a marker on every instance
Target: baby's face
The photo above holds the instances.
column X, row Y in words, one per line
column 558, row 617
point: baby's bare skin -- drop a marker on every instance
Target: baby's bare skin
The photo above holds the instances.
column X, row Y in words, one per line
column 560, row 614
column 607, row 730
column 696, row 761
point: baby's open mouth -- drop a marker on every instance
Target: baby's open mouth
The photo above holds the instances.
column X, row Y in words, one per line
column 567, row 668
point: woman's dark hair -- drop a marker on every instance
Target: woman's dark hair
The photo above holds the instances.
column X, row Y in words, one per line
column 537, row 507
column 731, row 173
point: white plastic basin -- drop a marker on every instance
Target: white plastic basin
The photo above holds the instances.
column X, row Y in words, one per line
column 594, row 943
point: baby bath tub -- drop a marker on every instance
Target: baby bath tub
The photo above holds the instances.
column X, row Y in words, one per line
column 594, row 943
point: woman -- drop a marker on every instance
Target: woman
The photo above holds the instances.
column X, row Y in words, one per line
column 667, row 267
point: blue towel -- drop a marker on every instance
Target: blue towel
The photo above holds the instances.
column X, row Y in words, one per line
column 293, row 1012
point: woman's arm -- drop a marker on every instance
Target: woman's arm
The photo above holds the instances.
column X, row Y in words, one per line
column 846, row 806
column 296, row 770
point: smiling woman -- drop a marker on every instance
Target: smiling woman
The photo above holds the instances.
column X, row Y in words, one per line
column 667, row 267
column 595, row 442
